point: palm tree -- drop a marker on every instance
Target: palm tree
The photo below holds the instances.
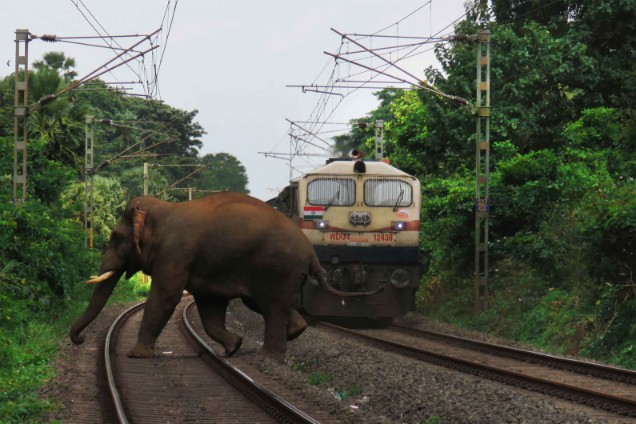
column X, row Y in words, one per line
column 56, row 128
column 58, row 62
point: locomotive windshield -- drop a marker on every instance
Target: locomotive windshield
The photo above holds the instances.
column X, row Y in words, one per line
column 331, row 192
column 387, row 192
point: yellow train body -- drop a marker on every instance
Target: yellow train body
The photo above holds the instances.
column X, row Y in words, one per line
column 363, row 219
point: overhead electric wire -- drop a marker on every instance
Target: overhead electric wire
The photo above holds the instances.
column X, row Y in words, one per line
column 165, row 43
column 404, row 18
column 313, row 134
column 119, row 56
column 403, row 52
column 75, row 84
column 151, row 86
column 392, row 48
column 411, row 54
column 199, row 169
column 97, row 31
column 420, row 83
column 400, row 37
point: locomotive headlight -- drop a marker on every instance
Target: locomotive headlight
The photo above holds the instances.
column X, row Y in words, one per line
column 398, row 225
column 322, row 224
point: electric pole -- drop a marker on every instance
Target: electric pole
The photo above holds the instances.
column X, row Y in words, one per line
column 146, row 178
column 379, row 139
column 88, row 182
column 21, row 115
column 482, row 196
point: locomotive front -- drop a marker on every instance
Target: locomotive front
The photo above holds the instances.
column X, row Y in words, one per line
column 363, row 221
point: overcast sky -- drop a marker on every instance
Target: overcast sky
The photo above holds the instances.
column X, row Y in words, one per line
column 234, row 60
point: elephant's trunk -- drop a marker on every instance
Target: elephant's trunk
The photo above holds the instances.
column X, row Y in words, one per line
column 101, row 293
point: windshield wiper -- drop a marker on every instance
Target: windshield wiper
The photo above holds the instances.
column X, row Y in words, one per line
column 399, row 199
column 333, row 199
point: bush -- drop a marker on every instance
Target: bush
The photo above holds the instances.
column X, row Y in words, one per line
column 41, row 256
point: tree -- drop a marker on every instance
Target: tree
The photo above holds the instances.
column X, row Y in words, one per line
column 222, row 172
column 408, row 143
column 58, row 126
column 58, row 62
column 362, row 132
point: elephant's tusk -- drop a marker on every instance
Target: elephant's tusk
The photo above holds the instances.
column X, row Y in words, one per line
column 104, row 276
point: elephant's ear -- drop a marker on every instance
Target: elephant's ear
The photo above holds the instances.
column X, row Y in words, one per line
column 139, row 218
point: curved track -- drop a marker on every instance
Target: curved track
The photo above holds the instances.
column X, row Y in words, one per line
column 614, row 396
column 180, row 385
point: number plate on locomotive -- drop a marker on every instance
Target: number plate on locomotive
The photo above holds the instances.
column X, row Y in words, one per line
column 357, row 239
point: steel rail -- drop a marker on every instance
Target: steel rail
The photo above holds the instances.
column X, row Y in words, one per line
column 615, row 404
column 574, row 365
column 118, row 405
column 278, row 408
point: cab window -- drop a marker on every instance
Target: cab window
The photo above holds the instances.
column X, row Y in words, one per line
column 387, row 192
column 331, row 192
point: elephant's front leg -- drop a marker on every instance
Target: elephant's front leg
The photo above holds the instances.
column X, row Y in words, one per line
column 160, row 305
column 212, row 311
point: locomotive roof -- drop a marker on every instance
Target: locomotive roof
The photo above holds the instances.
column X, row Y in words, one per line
column 345, row 167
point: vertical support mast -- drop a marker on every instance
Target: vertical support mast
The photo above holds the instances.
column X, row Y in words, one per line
column 291, row 156
column 482, row 197
column 146, row 178
column 379, row 139
column 21, row 115
column 88, row 183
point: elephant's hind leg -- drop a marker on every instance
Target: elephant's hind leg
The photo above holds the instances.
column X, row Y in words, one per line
column 212, row 311
column 276, row 333
column 296, row 326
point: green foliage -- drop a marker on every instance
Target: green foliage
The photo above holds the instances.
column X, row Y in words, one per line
column 42, row 255
column 407, row 135
column 48, row 247
column 614, row 314
column 362, row 131
column 447, row 219
column 222, row 172
column 318, row 379
column 109, row 200
column 562, row 231
column 27, row 351
column 434, row 420
column 58, row 62
column 132, row 290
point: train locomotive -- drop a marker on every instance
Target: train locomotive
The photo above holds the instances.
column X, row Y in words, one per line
column 363, row 219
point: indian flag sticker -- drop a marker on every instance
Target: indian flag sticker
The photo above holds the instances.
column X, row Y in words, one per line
column 403, row 213
column 311, row 213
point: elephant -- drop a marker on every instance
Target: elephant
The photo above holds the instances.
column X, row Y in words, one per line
column 220, row 247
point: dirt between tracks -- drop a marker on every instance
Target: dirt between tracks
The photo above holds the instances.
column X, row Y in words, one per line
column 74, row 390
column 348, row 380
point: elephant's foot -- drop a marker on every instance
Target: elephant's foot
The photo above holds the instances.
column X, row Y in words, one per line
column 296, row 326
column 142, row 351
column 232, row 347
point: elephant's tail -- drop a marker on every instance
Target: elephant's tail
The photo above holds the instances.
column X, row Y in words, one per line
column 317, row 272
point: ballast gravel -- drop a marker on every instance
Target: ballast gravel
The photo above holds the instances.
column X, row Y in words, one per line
column 351, row 381
column 362, row 384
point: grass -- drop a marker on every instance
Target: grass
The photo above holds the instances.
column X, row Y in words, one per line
column 28, row 345
column 317, row 379
column 25, row 369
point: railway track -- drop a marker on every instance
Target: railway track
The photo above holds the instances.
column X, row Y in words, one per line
column 187, row 382
column 601, row 387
